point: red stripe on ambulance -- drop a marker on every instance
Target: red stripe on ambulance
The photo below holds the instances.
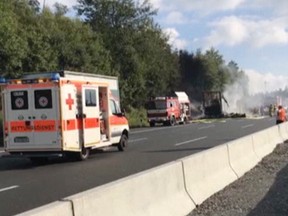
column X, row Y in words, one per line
column 91, row 123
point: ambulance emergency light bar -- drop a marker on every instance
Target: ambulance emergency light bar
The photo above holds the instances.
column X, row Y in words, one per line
column 33, row 78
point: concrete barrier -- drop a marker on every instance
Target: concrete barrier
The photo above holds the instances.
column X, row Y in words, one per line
column 283, row 128
column 262, row 144
column 242, row 155
column 275, row 135
column 55, row 208
column 207, row 172
column 158, row 191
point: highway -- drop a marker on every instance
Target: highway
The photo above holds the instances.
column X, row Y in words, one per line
column 24, row 186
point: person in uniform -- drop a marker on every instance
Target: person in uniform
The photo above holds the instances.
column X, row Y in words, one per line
column 281, row 115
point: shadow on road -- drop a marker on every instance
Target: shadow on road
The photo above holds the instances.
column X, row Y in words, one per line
column 275, row 201
column 7, row 163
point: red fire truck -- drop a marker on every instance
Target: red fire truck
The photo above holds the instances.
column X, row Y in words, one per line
column 169, row 110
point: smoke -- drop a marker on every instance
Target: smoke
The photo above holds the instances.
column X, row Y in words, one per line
column 265, row 83
column 253, row 91
column 236, row 93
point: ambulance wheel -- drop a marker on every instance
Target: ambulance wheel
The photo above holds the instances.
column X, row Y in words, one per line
column 83, row 155
column 123, row 142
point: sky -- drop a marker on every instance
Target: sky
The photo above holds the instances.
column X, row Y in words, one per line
column 254, row 34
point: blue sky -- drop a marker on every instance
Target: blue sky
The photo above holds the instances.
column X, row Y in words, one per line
column 253, row 33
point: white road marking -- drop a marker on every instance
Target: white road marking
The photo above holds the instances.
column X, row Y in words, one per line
column 9, row 188
column 156, row 129
column 246, row 126
column 190, row 141
column 206, row 127
column 138, row 140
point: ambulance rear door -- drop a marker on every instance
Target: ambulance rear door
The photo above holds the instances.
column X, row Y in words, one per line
column 71, row 121
column 31, row 117
column 90, row 115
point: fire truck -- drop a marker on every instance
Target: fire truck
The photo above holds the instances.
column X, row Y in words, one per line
column 62, row 113
column 169, row 110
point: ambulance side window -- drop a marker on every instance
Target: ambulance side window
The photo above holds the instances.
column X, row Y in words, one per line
column 19, row 100
column 113, row 107
column 90, row 97
column 43, row 99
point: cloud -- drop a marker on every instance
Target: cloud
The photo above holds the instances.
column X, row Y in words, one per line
column 175, row 17
column 174, row 38
column 200, row 6
column 279, row 8
column 232, row 31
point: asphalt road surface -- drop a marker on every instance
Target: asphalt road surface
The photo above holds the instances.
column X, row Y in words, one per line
column 24, row 186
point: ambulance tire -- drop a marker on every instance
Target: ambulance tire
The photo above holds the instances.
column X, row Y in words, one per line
column 123, row 142
column 83, row 155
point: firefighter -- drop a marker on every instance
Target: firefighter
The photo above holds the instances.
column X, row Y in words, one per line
column 281, row 115
column 271, row 108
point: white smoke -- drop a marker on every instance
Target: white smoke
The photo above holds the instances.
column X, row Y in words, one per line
column 254, row 92
column 265, row 83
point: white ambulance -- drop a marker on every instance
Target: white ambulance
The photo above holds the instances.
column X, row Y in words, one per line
column 62, row 113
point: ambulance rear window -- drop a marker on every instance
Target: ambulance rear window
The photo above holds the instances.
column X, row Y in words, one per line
column 43, row 99
column 90, row 97
column 19, row 100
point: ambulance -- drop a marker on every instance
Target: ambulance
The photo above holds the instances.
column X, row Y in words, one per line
column 62, row 113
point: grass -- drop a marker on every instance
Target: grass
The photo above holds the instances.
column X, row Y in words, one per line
column 137, row 118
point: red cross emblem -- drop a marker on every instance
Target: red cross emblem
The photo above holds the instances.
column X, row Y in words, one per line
column 69, row 101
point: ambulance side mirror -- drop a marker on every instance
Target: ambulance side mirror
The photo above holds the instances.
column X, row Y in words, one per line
column 123, row 112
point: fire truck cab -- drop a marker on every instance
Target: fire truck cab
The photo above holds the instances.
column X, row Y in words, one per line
column 62, row 113
column 169, row 110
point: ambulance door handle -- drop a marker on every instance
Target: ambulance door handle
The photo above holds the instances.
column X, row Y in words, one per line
column 78, row 116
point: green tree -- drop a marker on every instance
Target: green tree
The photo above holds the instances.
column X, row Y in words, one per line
column 138, row 48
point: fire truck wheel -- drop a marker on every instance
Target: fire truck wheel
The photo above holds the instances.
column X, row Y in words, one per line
column 172, row 121
column 123, row 142
column 152, row 124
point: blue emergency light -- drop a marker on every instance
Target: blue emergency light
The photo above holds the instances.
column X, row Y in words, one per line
column 2, row 79
column 55, row 76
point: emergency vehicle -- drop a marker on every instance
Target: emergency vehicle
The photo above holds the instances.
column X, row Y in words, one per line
column 169, row 110
column 62, row 113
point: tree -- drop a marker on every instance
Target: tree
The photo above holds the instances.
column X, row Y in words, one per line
column 139, row 50
column 60, row 9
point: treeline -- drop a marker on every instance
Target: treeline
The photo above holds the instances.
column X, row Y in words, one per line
column 116, row 37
